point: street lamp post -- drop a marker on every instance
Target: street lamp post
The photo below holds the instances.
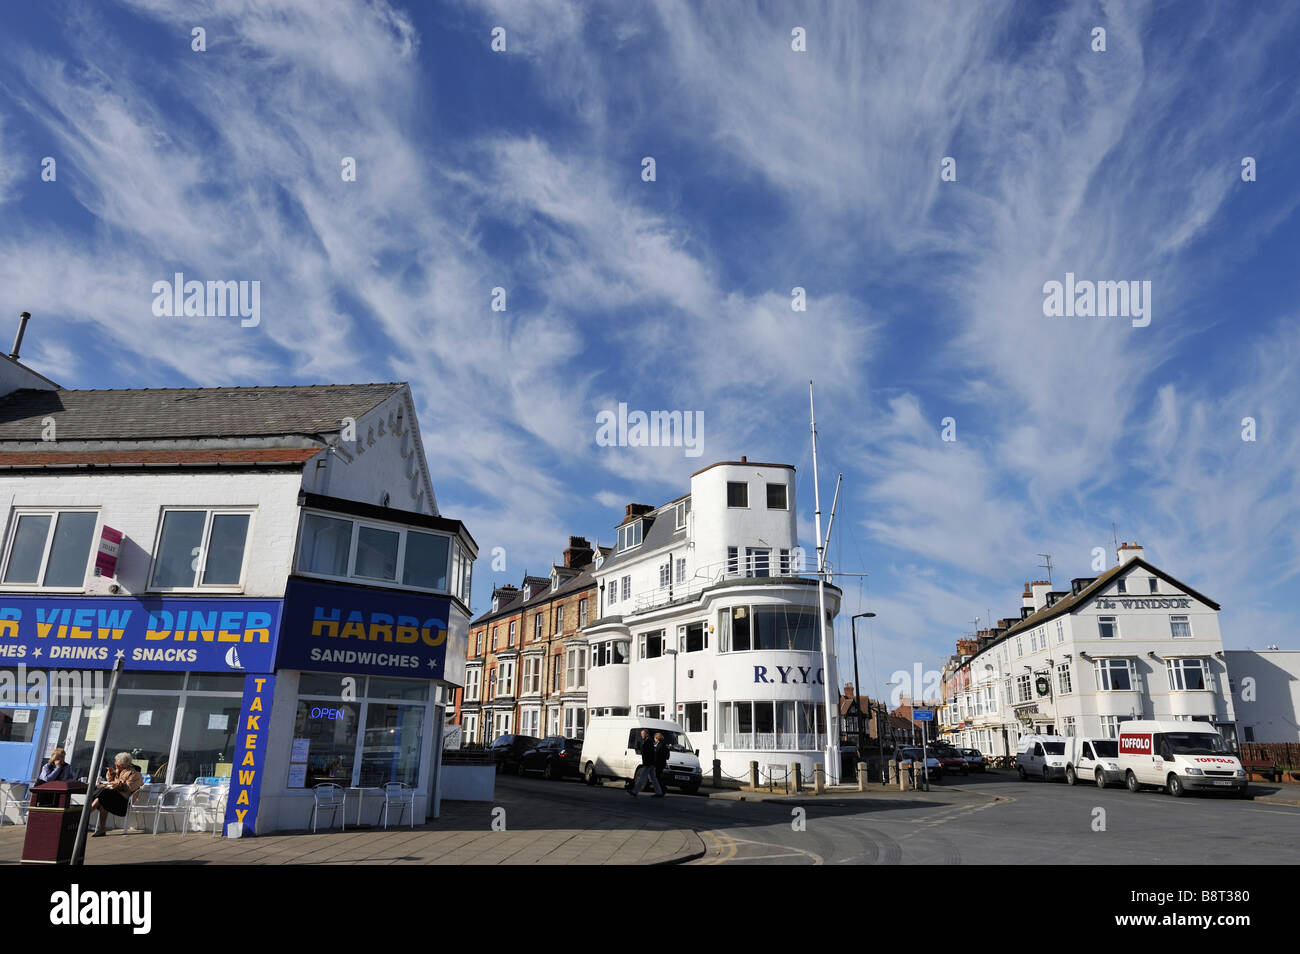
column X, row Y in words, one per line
column 857, row 684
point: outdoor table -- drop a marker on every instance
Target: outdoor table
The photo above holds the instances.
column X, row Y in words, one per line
column 360, row 791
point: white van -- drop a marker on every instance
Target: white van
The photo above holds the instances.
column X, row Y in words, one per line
column 1041, row 756
column 1093, row 759
column 1177, row 756
column 609, row 751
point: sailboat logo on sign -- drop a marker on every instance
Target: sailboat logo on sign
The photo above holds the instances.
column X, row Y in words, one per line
column 232, row 659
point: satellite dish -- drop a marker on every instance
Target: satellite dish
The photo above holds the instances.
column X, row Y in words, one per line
column 232, row 659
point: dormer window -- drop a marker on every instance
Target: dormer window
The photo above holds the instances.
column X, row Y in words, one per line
column 679, row 513
column 1121, row 586
column 555, row 581
column 629, row 535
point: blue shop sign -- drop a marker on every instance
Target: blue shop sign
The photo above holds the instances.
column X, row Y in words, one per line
column 365, row 631
column 195, row 635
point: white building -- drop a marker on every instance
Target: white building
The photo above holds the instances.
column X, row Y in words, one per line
column 288, row 603
column 1266, row 693
column 1132, row 643
column 704, row 618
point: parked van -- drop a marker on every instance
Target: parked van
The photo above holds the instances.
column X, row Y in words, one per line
column 609, row 751
column 1041, row 756
column 1095, row 760
column 1178, row 756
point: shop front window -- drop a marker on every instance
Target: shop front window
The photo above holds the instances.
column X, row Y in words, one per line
column 329, row 732
column 17, row 725
column 391, row 752
column 143, row 725
column 207, row 743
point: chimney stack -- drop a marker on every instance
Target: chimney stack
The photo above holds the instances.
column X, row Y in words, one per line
column 18, row 338
column 1040, row 589
column 1129, row 551
column 579, row 553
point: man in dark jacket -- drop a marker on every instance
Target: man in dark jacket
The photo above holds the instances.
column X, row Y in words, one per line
column 646, row 770
column 661, row 760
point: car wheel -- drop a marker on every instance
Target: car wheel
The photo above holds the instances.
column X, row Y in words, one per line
column 589, row 774
column 519, row 769
column 1175, row 786
column 548, row 772
column 1070, row 778
column 1244, row 792
column 1021, row 770
column 1131, row 781
column 1100, row 778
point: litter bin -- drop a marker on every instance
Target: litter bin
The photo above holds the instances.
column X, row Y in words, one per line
column 52, row 823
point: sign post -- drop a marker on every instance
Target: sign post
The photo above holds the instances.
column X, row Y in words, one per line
column 924, row 715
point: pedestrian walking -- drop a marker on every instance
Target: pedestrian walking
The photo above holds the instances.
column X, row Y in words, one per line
column 646, row 770
column 661, row 761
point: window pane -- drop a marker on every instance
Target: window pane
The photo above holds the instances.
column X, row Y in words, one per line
column 215, row 682
column 182, row 535
column 70, row 550
column 169, row 681
column 776, row 497
column 18, row 725
column 28, row 548
column 737, row 494
column 407, row 689
column 313, row 684
column 207, row 746
column 331, row 734
column 376, row 553
column 392, row 745
column 426, row 561
column 142, row 726
column 325, row 545
column 226, row 548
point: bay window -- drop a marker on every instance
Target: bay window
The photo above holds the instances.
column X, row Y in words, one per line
column 1188, row 674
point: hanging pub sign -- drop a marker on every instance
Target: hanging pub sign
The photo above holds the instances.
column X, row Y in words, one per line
column 110, row 544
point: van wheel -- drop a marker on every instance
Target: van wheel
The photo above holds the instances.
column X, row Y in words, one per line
column 1021, row 770
column 1131, row 781
column 693, row 788
column 1070, row 778
column 589, row 774
column 1175, row 786
column 1046, row 777
column 1101, row 778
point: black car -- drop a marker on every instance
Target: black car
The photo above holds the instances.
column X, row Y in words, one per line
column 507, row 749
column 555, row 757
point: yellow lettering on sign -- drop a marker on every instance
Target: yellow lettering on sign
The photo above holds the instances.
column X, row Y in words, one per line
column 354, row 629
column 79, row 633
column 248, row 760
column 43, row 629
column 439, row 637
column 381, row 630
column 328, row 627
column 240, row 813
column 207, row 635
column 250, row 741
column 407, row 634
column 257, row 704
column 226, row 636
column 252, row 724
column 259, row 683
column 243, row 797
column 263, row 635
column 9, row 627
column 154, row 633
column 246, row 778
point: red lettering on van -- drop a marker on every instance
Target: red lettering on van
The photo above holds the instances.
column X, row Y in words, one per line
column 1135, row 744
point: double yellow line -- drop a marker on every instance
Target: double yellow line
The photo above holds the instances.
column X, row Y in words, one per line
column 724, row 848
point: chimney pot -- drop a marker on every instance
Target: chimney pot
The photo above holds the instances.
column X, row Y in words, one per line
column 23, row 318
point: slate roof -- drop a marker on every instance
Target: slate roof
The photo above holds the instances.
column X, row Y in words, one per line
column 661, row 530
column 583, row 581
column 181, row 457
column 163, row 413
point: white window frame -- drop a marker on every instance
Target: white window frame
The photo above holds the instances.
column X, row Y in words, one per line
column 665, row 575
column 737, row 483
column 531, row 681
column 459, row 564
column 1105, row 668
column 1114, row 627
column 473, row 683
column 1175, row 667
column 679, row 513
column 625, row 535
column 1060, row 631
column 53, row 513
column 680, row 564
column 506, row 677
column 1173, row 630
column 1064, row 681
column 559, row 620
column 538, row 623
column 202, row 557
column 575, row 668
column 582, row 613
column 627, row 588
column 510, row 644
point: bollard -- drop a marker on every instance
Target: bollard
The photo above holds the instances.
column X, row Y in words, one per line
column 797, row 768
column 717, row 773
column 792, row 778
column 862, row 776
column 753, row 775
column 819, row 779
column 899, row 776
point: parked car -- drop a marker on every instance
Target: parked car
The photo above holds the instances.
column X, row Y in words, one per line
column 555, row 757
column 1041, row 756
column 1177, row 756
column 951, row 760
column 1093, row 759
column 609, row 751
column 933, row 768
column 974, row 759
column 507, row 749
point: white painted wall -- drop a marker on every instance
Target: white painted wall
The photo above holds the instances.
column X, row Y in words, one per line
column 1267, row 693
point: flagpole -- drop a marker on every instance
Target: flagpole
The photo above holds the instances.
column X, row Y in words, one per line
column 832, row 742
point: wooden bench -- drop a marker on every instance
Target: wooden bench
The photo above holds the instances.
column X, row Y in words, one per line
column 1261, row 767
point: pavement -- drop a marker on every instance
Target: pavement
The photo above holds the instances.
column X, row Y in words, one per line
column 534, row 834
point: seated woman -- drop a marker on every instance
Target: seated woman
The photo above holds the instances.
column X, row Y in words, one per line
column 120, row 783
column 55, row 769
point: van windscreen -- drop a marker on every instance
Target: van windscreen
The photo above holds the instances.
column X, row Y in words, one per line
column 1106, row 748
column 1195, row 743
column 1054, row 748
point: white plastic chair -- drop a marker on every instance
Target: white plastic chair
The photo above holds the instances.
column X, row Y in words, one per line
column 175, row 802
column 209, row 803
column 401, row 795
column 143, row 804
column 17, row 793
column 331, row 796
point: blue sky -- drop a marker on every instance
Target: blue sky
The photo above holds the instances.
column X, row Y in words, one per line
column 820, row 169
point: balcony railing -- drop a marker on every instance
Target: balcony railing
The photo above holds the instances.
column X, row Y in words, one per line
column 711, row 575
